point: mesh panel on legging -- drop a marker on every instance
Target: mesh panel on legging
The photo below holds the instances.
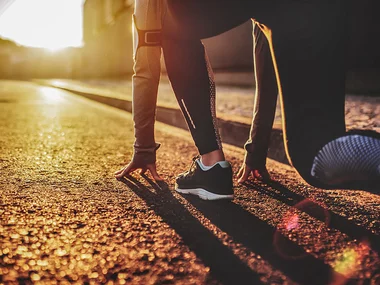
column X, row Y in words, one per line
column 213, row 101
column 348, row 158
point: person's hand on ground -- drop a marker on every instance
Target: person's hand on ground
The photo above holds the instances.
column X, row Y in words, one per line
column 132, row 166
column 245, row 171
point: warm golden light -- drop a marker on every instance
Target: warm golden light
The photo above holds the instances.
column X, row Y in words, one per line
column 51, row 24
column 51, row 95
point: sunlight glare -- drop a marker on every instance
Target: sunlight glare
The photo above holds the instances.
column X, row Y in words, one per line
column 50, row 24
column 51, row 95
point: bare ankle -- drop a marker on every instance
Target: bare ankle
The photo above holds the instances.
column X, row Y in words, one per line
column 210, row 158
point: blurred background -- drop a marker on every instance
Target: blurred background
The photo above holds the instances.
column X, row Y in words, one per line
column 82, row 39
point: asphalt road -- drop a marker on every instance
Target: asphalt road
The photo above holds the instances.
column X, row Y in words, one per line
column 65, row 219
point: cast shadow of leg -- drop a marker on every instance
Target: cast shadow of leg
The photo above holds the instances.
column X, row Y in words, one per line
column 224, row 264
column 333, row 220
column 259, row 236
column 243, row 227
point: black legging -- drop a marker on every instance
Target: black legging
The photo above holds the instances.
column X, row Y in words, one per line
column 307, row 39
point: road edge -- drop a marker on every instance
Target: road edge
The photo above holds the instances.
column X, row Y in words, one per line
column 232, row 131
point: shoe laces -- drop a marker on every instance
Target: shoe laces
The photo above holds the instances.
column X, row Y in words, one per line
column 188, row 174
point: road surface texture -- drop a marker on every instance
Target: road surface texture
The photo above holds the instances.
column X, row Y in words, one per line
column 65, row 219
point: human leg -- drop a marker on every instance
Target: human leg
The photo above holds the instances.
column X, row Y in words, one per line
column 350, row 161
column 308, row 57
column 312, row 82
column 309, row 60
column 193, row 84
column 190, row 73
column 307, row 40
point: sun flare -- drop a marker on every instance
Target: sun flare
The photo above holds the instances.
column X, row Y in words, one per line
column 50, row 24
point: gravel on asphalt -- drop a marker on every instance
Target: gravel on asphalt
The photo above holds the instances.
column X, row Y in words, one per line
column 64, row 218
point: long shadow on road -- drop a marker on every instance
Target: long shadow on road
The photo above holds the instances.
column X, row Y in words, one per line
column 241, row 225
column 335, row 221
column 258, row 236
column 224, row 264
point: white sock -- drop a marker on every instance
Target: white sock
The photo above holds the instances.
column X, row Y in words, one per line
column 223, row 164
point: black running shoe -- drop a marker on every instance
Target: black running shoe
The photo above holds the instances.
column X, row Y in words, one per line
column 211, row 184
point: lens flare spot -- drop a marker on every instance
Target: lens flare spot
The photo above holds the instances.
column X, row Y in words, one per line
column 347, row 262
column 297, row 224
column 292, row 223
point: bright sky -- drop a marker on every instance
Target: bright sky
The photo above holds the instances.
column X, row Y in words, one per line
column 51, row 24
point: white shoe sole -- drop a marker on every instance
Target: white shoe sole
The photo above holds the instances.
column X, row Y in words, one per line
column 204, row 194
